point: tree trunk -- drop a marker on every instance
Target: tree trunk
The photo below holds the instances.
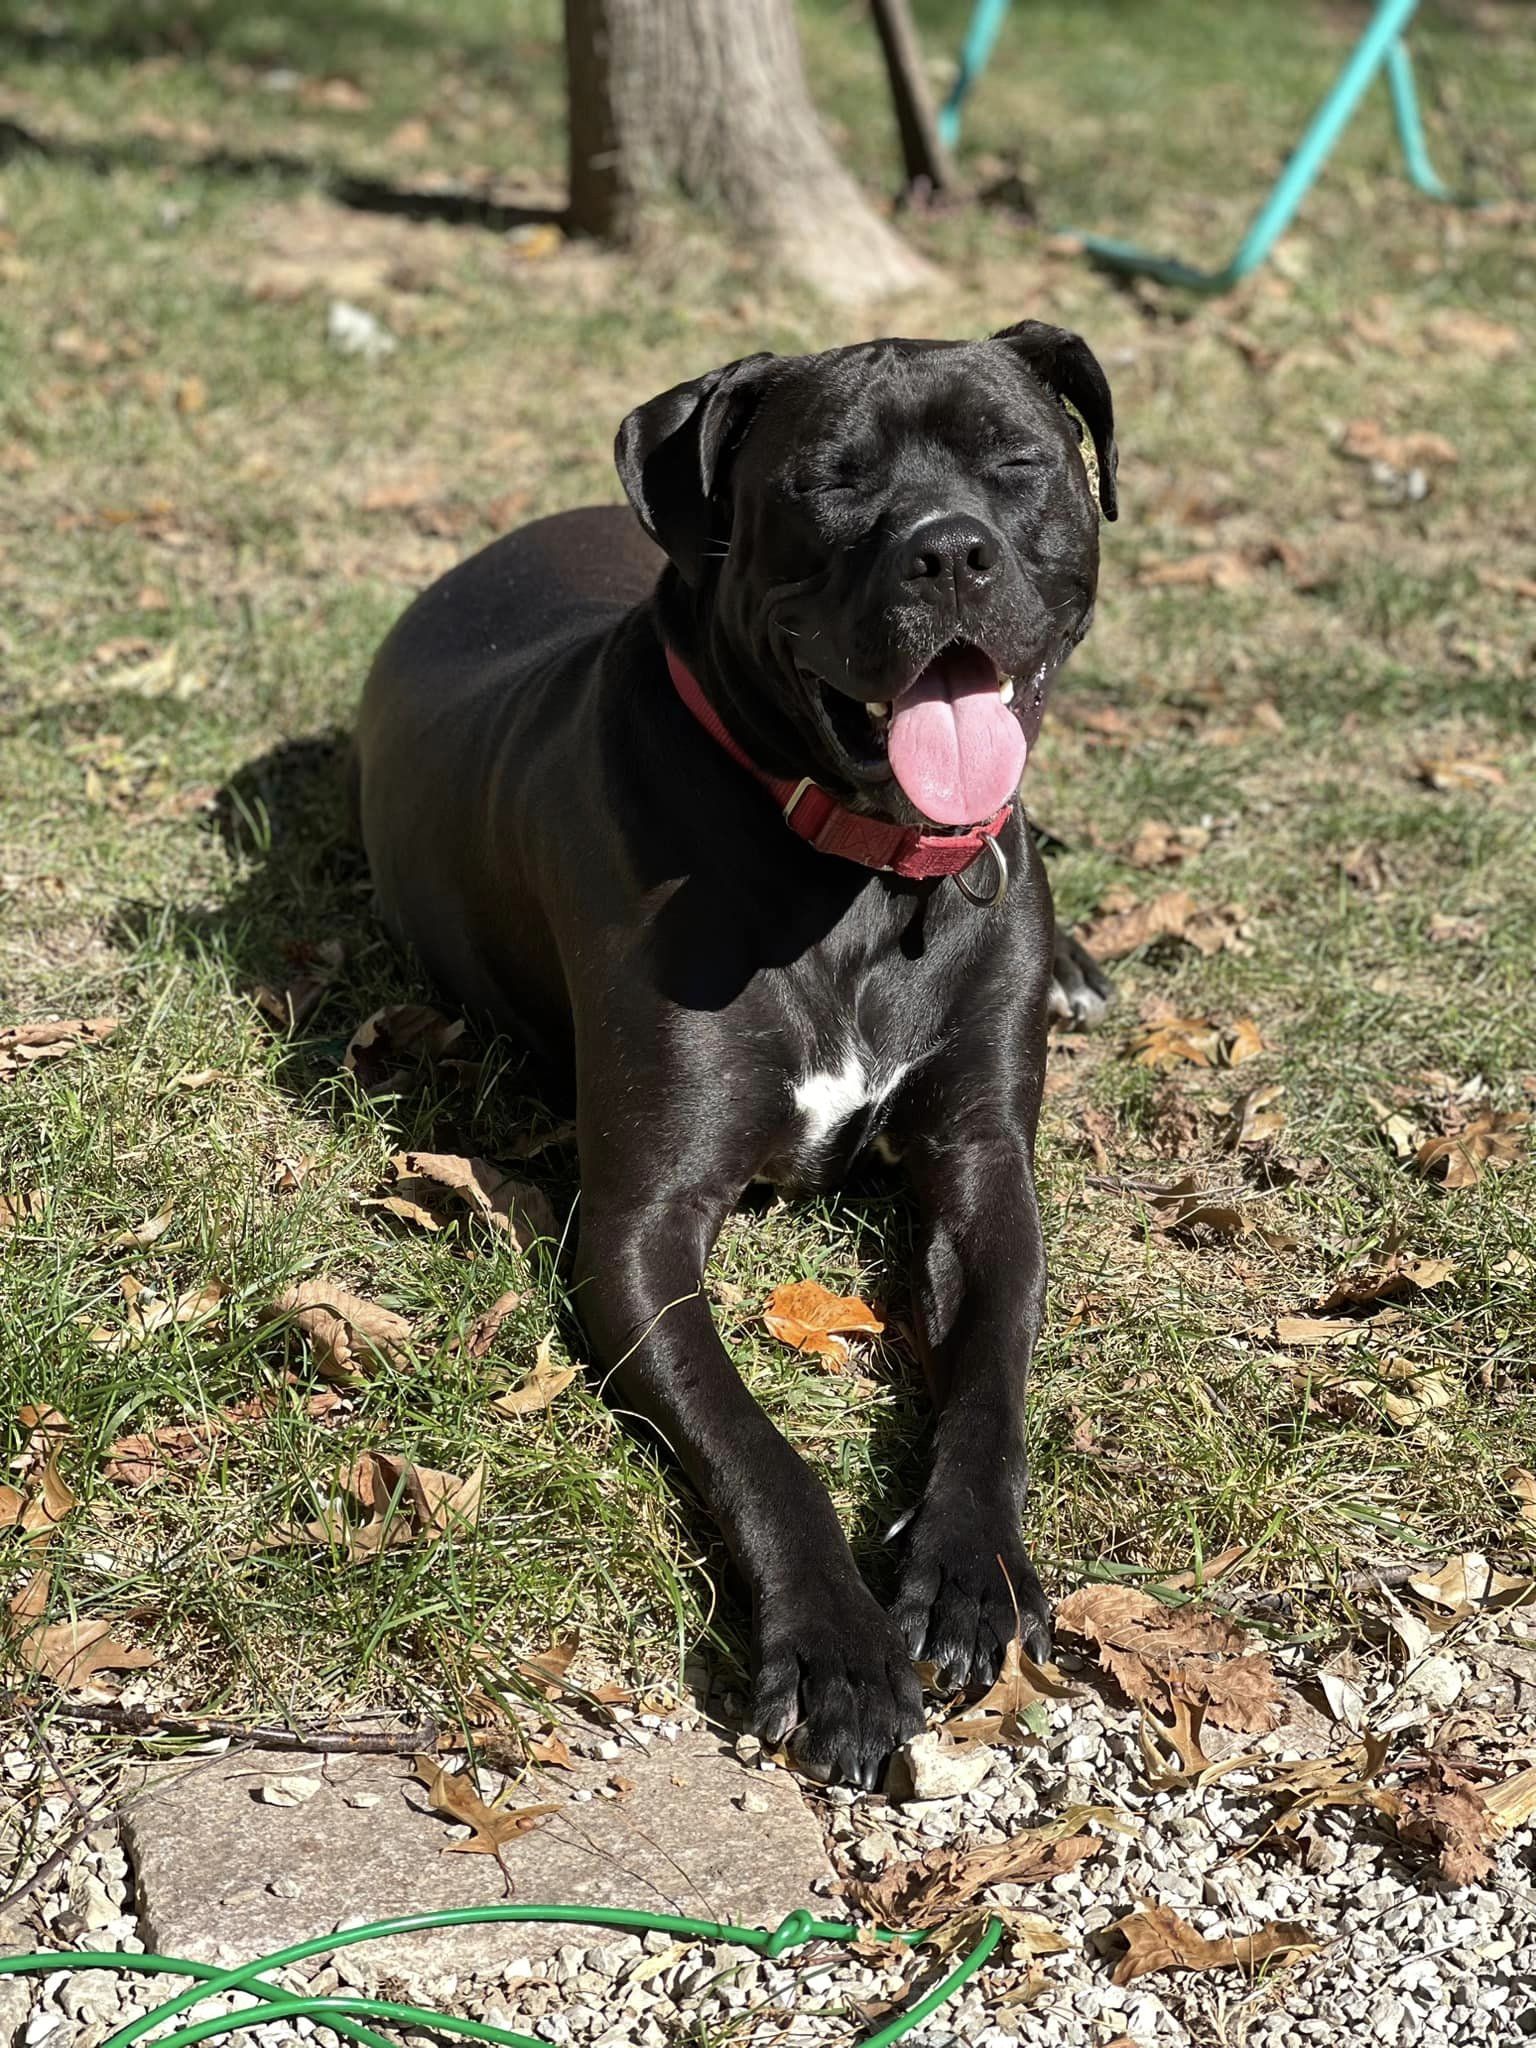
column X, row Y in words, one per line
column 927, row 163
column 707, row 98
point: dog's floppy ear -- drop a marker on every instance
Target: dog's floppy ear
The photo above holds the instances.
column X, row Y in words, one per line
column 1069, row 366
column 671, row 452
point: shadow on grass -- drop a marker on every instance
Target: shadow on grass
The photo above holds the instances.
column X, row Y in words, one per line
column 286, row 819
column 458, row 206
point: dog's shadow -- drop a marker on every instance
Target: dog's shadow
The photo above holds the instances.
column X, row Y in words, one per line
column 300, row 883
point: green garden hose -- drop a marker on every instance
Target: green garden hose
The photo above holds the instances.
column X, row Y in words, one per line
column 340, row 2013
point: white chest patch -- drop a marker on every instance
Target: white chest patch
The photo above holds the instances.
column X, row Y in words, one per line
column 829, row 1098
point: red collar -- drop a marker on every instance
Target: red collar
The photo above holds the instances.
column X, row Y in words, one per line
column 819, row 819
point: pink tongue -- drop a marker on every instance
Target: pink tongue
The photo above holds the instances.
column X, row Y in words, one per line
column 956, row 748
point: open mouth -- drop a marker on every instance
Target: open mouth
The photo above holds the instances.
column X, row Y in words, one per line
column 949, row 737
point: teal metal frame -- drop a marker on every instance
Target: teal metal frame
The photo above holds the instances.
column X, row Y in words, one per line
column 1380, row 48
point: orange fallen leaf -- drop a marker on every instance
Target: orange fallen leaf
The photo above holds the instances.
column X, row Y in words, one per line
column 1175, row 1040
column 809, row 1317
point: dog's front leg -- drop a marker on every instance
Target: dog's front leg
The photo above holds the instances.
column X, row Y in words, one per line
column 831, row 1669
column 980, row 1290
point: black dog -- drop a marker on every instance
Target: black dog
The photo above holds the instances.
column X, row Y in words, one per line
column 682, row 842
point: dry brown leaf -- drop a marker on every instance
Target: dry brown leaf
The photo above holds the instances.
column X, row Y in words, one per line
column 1521, row 1482
column 400, row 1502
column 73, row 1653
column 933, row 1887
column 435, row 1188
column 26, row 1207
column 314, row 969
column 141, row 1234
column 37, row 1511
column 25, row 1045
column 1176, row 1040
column 1405, row 1393
column 1512, row 1802
column 1450, row 775
column 387, row 1049
column 1157, row 1938
column 1457, row 332
column 1440, row 1808
column 1181, row 1737
column 998, row 1716
column 482, row 1333
column 808, row 1317
column 453, row 1793
column 135, row 1461
column 1508, row 586
column 1242, row 1041
column 149, row 1312
column 1183, row 1207
column 1315, row 1330
column 1214, row 569
column 1443, row 930
column 1366, row 441
column 1497, row 1139
column 1157, row 1655
column 1394, row 1278
column 546, row 1381
column 1468, row 1582
column 348, row 1336
column 1127, row 931
column 547, row 1671
column 1157, row 845
column 552, row 1751
column 1254, row 1117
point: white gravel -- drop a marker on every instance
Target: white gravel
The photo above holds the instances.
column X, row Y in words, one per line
column 1407, row 1958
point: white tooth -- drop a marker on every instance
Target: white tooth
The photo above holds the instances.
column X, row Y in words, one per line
column 877, row 710
column 1005, row 689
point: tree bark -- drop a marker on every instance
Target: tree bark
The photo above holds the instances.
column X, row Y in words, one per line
column 707, row 99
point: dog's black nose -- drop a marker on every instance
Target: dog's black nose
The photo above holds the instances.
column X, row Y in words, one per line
column 950, row 548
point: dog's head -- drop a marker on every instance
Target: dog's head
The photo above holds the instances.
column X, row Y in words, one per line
column 881, row 555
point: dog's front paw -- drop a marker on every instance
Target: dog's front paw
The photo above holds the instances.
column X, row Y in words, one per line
column 835, row 1681
column 1081, row 991
column 967, row 1589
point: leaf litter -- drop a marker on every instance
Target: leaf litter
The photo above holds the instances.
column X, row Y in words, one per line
column 434, row 1190
column 1158, row 1654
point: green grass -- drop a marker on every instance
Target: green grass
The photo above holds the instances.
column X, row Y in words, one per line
column 243, row 533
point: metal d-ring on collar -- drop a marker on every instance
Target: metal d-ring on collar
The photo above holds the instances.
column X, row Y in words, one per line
column 999, row 869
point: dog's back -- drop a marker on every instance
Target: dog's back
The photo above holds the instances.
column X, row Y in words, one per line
column 471, row 686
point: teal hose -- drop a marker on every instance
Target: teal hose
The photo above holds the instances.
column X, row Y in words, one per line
column 339, row 2013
